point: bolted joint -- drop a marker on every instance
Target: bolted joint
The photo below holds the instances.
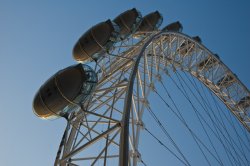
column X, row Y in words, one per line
column 135, row 154
column 158, row 77
column 174, row 68
column 145, row 102
column 152, row 86
column 140, row 123
column 166, row 71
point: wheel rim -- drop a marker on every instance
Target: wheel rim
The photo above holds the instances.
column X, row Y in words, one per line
column 131, row 74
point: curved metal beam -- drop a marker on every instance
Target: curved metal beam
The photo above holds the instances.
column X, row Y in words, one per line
column 124, row 140
column 124, row 137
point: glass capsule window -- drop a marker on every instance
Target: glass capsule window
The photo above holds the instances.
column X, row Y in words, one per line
column 87, row 89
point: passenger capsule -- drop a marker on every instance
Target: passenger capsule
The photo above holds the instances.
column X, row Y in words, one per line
column 188, row 47
column 128, row 22
column 99, row 37
column 217, row 56
column 174, row 27
column 197, row 39
column 60, row 94
column 151, row 22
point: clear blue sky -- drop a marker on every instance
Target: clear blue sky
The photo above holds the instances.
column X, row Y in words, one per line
column 36, row 40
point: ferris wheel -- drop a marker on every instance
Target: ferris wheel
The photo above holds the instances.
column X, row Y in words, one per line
column 135, row 86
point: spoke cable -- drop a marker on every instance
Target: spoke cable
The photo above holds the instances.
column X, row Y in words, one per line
column 186, row 124
column 208, row 104
column 206, row 109
column 165, row 146
column 213, row 123
column 221, row 122
column 199, row 121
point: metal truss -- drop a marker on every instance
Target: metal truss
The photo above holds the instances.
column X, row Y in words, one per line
column 111, row 120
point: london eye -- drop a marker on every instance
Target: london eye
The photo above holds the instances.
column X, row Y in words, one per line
column 134, row 85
